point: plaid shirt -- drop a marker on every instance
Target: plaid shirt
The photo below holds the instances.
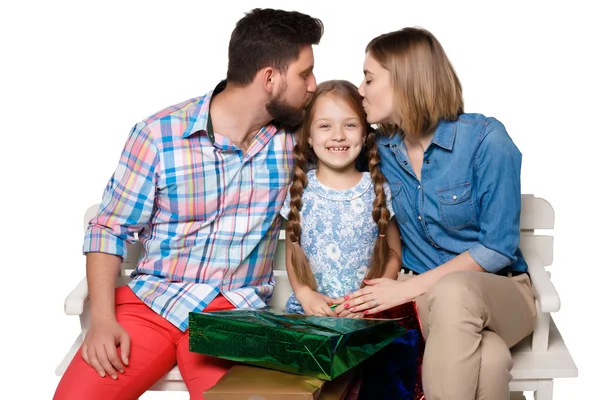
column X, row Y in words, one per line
column 205, row 213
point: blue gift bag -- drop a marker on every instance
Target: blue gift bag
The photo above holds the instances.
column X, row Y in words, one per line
column 392, row 372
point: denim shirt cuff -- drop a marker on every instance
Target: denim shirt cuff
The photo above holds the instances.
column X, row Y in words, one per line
column 488, row 259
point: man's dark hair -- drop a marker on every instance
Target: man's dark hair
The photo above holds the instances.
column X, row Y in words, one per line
column 268, row 37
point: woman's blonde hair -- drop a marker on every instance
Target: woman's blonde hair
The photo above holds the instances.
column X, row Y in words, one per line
column 303, row 154
column 425, row 86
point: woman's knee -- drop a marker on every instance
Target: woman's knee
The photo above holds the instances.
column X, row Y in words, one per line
column 495, row 355
column 456, row 289
column 495, row 366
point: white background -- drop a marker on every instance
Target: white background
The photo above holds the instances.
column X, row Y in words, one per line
column 76, row 76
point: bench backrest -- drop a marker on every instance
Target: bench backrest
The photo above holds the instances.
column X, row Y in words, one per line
column 536, row 213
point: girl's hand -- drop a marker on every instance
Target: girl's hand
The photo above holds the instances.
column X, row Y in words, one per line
column 379, row 295
column 346, row 313
column 343, row 312
column 315, row 303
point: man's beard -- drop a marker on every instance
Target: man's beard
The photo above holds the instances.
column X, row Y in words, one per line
column 285, row 116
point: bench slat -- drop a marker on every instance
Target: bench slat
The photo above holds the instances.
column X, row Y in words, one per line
column 536, row 213
column 554, row 363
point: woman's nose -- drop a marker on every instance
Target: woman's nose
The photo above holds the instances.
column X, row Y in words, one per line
column 361, row 89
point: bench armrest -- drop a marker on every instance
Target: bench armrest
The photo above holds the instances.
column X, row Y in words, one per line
column 544, row 289
column 75, row 301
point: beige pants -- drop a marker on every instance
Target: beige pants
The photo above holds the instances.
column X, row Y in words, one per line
column 470, row 321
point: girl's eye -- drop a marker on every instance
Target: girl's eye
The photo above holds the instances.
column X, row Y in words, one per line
column 351, row 125
column 324, row 126
column 367, row 82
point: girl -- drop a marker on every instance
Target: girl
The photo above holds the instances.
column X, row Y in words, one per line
column 337, row 229
column 455, row 181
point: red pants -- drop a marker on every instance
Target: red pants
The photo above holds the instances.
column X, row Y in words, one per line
column 156, row 346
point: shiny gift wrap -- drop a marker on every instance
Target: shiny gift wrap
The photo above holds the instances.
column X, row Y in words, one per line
column 395, row 372
column 321, row 347
column 243, row 382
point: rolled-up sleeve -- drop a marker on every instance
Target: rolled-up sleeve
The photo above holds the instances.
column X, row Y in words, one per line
column 128, row 198
column 498, row 172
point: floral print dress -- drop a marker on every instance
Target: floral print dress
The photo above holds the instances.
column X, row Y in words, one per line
column 338, row 234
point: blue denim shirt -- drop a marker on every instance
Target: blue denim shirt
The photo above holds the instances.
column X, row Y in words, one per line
column 468, row 199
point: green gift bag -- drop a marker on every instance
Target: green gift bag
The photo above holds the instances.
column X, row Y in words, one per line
column 321, row 347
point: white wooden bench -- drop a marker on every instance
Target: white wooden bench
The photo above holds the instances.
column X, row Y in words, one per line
column 538, row 359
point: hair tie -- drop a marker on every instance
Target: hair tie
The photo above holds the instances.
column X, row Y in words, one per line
column 381, row 236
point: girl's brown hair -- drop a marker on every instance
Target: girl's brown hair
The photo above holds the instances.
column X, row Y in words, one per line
column 425, row 86
column 304, row 154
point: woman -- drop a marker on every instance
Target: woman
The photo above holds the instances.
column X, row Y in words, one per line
column 455, row 181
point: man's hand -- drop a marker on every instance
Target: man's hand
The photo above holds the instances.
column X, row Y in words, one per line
column 99, row 348
column 315, row 303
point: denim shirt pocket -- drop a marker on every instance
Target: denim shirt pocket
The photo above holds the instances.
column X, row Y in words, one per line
column 395, row 189
column 456, row 206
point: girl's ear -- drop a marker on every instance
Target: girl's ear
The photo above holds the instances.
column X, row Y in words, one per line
column 310, row 142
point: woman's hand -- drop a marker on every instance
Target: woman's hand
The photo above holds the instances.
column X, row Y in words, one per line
column 315, row 303
column 349, row 314
column 345, row 312
column 379, row 295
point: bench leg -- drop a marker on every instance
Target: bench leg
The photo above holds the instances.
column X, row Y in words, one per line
column 544, row 390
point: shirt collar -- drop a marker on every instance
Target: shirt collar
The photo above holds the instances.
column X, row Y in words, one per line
column 444, row 134
column 443, row 137
column 387, row 139
column 199, row 121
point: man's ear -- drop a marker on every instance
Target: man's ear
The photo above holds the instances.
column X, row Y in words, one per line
column 267, row 76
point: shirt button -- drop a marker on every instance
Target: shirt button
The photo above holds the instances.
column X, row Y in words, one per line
column 419, row 217
column 394, row 146
column 454, row 197
column 418, row 187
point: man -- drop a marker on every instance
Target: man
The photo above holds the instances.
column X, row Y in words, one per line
column 200, row 184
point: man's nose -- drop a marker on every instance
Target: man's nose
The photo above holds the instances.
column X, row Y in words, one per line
column 312, row 84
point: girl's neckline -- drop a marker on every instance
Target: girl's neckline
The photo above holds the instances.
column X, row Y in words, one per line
column 363, row 185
